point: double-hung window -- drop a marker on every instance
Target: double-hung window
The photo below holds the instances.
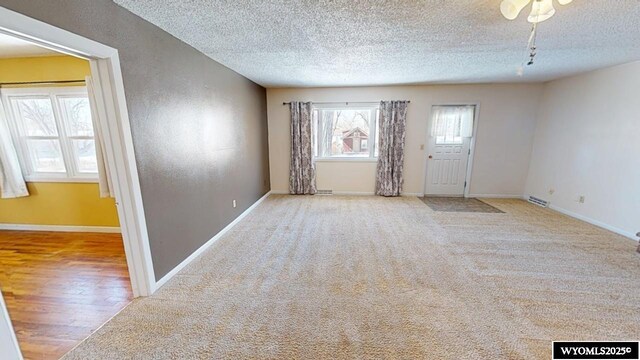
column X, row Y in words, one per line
column 53, row 131
column 345, row 132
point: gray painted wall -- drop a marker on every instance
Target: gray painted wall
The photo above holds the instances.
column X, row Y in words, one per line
column 199, row 129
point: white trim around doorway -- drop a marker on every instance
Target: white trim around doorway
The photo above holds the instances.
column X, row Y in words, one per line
column 472, row 145
column 107, row 77
column 105, row 71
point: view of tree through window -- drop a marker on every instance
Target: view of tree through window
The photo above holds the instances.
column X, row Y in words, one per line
column 56, row 132
column 38, row 117
column 345, row 132
column 40, row 127
column 78, row 115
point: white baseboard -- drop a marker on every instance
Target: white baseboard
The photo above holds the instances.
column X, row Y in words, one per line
column 350, row 193
column 61, row 228
column 354, row 193
column 210, row 242
column 594, row 222
column 495, row 196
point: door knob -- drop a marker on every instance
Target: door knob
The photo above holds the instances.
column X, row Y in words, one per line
column 430, row 156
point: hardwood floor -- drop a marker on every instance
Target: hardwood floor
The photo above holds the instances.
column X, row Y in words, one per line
column 60, row 287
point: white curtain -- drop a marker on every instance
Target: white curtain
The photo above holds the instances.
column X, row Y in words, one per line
column 104, row 178
column 453, row 121
column 12, row 183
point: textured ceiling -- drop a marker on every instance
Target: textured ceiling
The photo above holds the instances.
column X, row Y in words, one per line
column 13, row 47
column 279, row 43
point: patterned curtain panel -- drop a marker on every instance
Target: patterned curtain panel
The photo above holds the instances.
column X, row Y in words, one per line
column 391, row 124
column 302, row 174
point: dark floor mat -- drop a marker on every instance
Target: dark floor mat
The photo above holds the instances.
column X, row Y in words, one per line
column 459, row 204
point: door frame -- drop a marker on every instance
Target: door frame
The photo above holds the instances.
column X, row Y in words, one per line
column 472, row 144
column 8, row 340
column 108, row 81
column 107, row 76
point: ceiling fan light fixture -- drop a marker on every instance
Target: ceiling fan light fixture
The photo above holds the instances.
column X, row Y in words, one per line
column 541, row 10
column 510, row 9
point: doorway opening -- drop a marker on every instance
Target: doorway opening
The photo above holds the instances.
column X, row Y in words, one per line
column 93, row 268
column 450, row 146
column 62, row 258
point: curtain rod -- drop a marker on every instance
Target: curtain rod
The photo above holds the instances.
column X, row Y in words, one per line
column 42, row 82
column 342, row 102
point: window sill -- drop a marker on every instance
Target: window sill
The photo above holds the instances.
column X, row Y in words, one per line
column 60, row 180
column 347, row 159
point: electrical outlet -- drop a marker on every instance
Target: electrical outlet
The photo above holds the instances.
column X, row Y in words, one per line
column 234, row 203
column 581, row 199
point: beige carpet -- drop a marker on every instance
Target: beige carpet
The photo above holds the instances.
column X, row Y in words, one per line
column 324, row 277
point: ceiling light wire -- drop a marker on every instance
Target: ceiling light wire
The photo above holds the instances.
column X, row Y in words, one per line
column 531, row 49
column 531, row 45
column 541, row 10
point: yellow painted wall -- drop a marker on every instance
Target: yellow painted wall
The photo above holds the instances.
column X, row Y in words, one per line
column 45, row 68
column 76, row 204
column 60, row 204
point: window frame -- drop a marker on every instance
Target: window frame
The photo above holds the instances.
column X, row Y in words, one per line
column 374, row 108
column 72, row 173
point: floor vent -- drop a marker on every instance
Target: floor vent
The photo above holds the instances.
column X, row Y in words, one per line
column 324, row 192
column 538, row 201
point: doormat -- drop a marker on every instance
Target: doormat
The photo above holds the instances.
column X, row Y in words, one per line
column 458, row 204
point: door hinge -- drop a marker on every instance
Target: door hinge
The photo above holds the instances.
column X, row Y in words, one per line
column 469, row 152
column 465, row 184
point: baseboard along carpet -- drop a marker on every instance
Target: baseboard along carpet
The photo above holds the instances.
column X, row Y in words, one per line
column 339, row 277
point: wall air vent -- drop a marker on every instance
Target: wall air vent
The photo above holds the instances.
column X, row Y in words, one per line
column 538, row 201
column 324, row 192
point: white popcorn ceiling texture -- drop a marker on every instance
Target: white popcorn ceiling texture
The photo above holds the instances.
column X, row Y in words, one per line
column 279, row 43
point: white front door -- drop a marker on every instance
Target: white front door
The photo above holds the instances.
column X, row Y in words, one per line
column 447, row 158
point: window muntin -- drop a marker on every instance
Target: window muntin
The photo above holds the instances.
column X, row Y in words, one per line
column 53, row 131
column 345, row 132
